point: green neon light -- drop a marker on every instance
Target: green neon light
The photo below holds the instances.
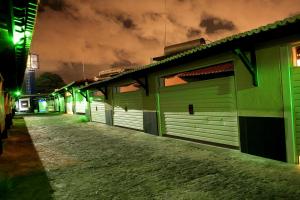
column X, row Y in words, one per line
column 18, row 37
column 17, row 93
column 27, row 33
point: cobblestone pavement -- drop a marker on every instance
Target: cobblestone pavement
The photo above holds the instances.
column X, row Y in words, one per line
column 64, row 157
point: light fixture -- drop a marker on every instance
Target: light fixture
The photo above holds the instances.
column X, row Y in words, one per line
column 17, row 37
column 27, row 33
column 17, row 93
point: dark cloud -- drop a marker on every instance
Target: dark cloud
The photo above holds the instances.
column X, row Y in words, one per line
column 71, row 71
column 148, row 40
column 121, row 54
column 214, row 24
column 173, row 20
column 57, row 5
column 123, row 63
column 193, row 32
column 126, row 21
column 73, row 13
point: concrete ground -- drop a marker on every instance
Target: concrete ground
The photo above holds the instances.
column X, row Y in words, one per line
column 64, row 157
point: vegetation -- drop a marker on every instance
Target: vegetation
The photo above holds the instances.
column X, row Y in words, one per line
column 47, row 82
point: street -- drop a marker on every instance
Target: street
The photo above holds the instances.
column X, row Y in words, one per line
column 52, row 156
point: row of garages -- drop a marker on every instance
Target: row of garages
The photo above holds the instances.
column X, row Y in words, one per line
column 240, row 92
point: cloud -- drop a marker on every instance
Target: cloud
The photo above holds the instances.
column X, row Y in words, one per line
column 71, row 71
column 154, row 16
column 193, row 32
column 106, row 33
column 214, row 24
column 57, row 5
column 126, row 21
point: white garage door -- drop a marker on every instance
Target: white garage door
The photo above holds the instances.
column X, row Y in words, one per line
column 214, row 117
column 98, row 111
column 128, row 110
column 69, row 104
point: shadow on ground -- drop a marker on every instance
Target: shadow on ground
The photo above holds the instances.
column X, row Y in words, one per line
column 22, row 175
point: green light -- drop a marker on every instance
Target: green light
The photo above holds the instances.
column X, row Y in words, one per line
column 17, row 93
column 17, row 37
column 27, row 33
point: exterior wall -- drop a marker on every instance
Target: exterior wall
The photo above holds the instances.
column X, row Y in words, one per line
column 62, row 104
column 296, row 99
column 2, row 109
column 80, row 103
column 269, row 100
column 154, row 99
column 69, row 104
column 50, row 105
column 266, row 99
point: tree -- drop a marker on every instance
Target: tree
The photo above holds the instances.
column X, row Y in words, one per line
column 47, row 82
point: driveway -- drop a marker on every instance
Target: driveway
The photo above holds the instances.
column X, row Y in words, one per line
column 65, row 157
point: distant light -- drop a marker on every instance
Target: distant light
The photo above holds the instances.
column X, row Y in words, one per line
column 17, row 93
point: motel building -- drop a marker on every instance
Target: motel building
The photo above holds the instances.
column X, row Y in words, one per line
column 241, row 92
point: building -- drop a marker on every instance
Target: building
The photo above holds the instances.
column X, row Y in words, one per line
column 17, row 20
column 240, row 92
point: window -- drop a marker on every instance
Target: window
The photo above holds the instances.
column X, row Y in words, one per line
column 96, row 93
column 297, row 52
column 214, row 71
column 128, row 88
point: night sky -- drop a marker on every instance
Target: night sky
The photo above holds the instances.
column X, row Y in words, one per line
column 112, row 33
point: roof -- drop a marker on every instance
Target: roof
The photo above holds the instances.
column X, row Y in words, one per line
column 17, row 21
column 77, row 83
column 273, row 31
column 224, row 67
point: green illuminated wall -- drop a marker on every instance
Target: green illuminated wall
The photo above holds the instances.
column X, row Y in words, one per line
column 266, row 99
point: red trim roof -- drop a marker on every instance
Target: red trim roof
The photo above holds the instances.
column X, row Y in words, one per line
column 225, row 67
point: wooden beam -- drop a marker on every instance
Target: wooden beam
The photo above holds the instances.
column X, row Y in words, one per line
column 104, row 91
column 143, row 83
column 84, row 95
column 250, row 64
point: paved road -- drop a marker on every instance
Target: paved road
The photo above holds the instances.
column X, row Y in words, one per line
column 63, row 157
